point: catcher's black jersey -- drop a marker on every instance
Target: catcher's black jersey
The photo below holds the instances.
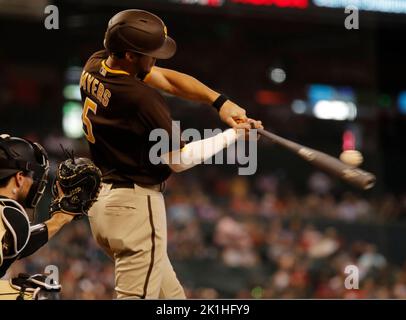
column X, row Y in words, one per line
column 119, row 112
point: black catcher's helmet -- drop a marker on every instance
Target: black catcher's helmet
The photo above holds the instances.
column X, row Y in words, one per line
column 17, row 154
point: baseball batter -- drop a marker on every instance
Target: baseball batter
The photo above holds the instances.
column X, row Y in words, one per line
column 121, row 108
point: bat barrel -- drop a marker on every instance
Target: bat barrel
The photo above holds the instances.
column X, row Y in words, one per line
column 357, row 177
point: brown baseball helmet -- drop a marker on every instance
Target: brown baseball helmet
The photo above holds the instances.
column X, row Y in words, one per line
column 139, row 31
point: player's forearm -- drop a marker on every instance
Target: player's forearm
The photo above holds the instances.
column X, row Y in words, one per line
column 38, row 238
column 188, row 87
column 56, row 222
column 42, row 232
column 197, row 152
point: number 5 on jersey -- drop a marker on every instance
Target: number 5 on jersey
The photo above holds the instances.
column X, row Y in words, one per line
column 89, row 104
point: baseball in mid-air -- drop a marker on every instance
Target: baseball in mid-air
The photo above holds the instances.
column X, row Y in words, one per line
column 352, row 157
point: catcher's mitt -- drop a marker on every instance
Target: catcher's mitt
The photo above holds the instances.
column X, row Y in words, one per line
column 80, row 180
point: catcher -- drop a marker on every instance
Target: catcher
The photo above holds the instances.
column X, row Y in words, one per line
column 24, row 168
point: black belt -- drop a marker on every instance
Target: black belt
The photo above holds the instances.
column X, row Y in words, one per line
column 122, row 185
column 130, row 185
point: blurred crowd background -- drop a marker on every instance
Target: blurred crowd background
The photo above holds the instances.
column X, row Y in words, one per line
column 239, row 237
column 286, row 232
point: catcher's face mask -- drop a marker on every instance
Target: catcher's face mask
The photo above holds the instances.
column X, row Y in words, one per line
column 40, row 176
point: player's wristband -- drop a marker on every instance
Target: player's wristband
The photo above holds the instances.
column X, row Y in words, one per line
column 218, row 103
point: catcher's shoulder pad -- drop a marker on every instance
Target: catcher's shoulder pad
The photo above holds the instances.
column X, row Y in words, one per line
column 14, row 227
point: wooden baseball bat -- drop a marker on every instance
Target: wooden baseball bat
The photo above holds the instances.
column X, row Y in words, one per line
column 357, row 177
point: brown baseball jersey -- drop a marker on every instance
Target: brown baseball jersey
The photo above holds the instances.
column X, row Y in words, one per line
column 119, row 113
